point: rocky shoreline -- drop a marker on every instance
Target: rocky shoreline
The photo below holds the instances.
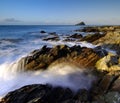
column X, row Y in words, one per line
column 98, row 61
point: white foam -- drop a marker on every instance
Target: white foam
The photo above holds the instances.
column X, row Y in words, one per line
column 82, row 44
column 62, row 74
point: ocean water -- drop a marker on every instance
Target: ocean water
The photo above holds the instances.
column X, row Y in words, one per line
column 18, row 41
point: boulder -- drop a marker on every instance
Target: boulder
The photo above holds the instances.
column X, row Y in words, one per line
column 109, row 63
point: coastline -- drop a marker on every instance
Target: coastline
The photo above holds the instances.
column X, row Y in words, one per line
column 98, row 62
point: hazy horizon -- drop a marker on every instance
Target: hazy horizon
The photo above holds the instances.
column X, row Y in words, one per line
column 59, row 12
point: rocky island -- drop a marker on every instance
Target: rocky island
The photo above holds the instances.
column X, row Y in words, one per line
column 95, row 71
column 81, row 23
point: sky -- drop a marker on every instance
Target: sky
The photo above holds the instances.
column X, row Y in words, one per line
column 40, row 12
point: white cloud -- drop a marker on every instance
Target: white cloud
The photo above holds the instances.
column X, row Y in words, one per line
column 11, row 20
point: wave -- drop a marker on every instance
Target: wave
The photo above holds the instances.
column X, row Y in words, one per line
column 13, row 76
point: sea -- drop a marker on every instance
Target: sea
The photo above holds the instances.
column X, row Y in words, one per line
column 17, row 41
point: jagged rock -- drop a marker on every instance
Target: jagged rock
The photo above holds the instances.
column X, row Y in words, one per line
column 106, row 36
column 87, row 58
column 101, row 51
column 38, row 93
column 45, row 57
column 92, row 37
column 109, row 63
column 111, row 40
column 42, row 58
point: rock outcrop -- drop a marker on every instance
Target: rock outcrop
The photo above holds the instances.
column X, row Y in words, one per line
column 106, row 36
column 42, row 58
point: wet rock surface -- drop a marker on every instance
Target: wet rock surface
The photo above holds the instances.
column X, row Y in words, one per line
column 45, row 94
column 42, row 58
column 106, row 36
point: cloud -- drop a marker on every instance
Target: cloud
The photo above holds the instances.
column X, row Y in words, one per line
column 11, row 20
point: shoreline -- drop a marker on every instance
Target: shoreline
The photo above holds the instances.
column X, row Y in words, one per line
column 102, row 63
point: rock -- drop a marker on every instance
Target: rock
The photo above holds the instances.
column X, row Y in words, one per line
column 82, row 95
column 69, row 39
column 55, row 38
column 109, row 63
column 86, row 58
column 107, row 82
column 92, row 37
column 110, row 97
column 73, row 37
column 38, row 93
column 76, row 36
column 53, row 33
column 111, row 40
column 44, row 57
column 42, row 31
column 89, row 29
column 101, row 51
column 116, row 85
column 81, row 23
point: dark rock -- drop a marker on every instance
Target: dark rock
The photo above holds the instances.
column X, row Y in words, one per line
column 116, row 85
column 55, row 38
column 38, row 93
column 107, row 82
column 69, row 39
column 42, row 31
column 53, row 33
column 92, row 37
column 77, row 36
column 73, row 37
column 89, row 29
column 101, row 51
column 81, row 23
column 82, row 95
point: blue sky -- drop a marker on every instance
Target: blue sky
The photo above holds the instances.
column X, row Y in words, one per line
column 59, row 11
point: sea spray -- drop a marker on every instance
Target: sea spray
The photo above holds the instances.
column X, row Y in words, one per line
column 62, row 74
